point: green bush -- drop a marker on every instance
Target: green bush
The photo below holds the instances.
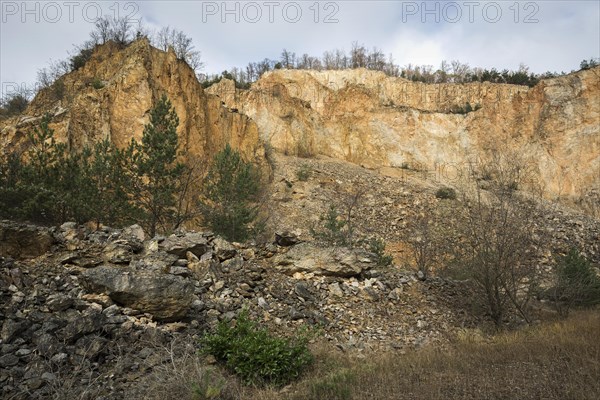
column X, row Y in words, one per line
column 13, row 105
column 255, row 355
column 80, row 59
column 35, row 190
column 577, row 284
column 97, row 83
column 51, row 183
column 303, row 173
column 377, row 247
column 54, row 184
column 58, row 89
column 446, row 193
column 332, row 229
column 467, row 108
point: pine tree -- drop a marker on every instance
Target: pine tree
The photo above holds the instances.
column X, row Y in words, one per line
column 232, row 186
column 156, row 169
column 110, row 185
column 41, row 175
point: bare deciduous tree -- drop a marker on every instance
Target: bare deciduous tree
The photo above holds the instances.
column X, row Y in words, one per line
column 119, row 30
column 425, row 240
column 496, row 238
column 376, row 60
column 288, row 59
column 460, row 71
column 358, row 56
column 181, row 45
column 48, row 75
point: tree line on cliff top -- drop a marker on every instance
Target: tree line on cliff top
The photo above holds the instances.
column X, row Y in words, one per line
column 123, row 32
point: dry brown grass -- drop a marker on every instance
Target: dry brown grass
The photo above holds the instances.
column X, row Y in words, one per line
column 552, row 361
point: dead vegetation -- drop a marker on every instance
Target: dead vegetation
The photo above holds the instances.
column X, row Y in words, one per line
column 553, row 361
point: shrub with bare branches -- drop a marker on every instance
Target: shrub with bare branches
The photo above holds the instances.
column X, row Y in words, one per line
column 495, row 236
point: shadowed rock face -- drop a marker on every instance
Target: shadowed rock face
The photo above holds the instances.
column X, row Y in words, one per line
column 23, row 241
column 111, row 96
column 166, row 297
column 373, row 120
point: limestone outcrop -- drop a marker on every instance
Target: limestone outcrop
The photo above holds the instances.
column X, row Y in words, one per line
column 360, row 116
column 111, row 97
column 370, row 119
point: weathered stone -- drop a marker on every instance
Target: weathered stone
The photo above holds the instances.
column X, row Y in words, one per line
column 341, row 262
column 90, row 346
column 336, row 290
column 262, row 303
column 286, row 238
column 180, row 271
column 195, row 243
column 223, row 249
column 59, row 302
column 48, row 377
column 301, row 290
column 23, row 352
column 11, row 329
column 48, row 345
column 8, row 360
column 118, row 253
column 158, row 262
column 24, row 241
column 69, row 231
column 34, row 383
column 87, row 262
column 165, row 296
column 295, row 314
column 135, row 232
column 59, row 358
column 84, row 325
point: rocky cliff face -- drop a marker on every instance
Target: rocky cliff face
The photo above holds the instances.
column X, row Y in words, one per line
column 111, row 96
column 373, row 120
column 359, row 116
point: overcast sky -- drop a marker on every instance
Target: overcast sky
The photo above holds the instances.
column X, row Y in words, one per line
column 545, row 35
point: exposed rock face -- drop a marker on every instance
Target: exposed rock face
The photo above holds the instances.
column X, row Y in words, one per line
column 359, row 116
column 111, row 96
column 373, row 120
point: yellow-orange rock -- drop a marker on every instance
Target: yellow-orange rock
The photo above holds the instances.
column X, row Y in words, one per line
column 111, row 96
column 374, row 120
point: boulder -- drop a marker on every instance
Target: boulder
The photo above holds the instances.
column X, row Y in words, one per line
column 223, row 249
column 135, row 232
column 24, row 241
column 195, row 243
column 167, row 297
column 286, row 238
column 342, row 262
